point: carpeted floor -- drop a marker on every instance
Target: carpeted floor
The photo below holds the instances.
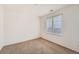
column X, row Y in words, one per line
column 36, row 46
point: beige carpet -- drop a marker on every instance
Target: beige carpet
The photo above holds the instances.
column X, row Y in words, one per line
column 36, row 46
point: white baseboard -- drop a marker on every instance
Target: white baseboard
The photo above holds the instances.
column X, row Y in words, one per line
column 31, row 38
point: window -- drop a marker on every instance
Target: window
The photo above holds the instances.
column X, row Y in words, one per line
column 54, row 24
column 49, row 24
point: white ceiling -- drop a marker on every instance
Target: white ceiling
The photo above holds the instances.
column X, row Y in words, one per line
column 43, row 9
column 38, row 9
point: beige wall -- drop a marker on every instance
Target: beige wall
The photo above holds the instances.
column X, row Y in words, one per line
column 20, row 24
column 1, row 26
column 70, row 37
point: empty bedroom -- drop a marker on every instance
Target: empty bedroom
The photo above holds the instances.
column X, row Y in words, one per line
column 39, row 28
